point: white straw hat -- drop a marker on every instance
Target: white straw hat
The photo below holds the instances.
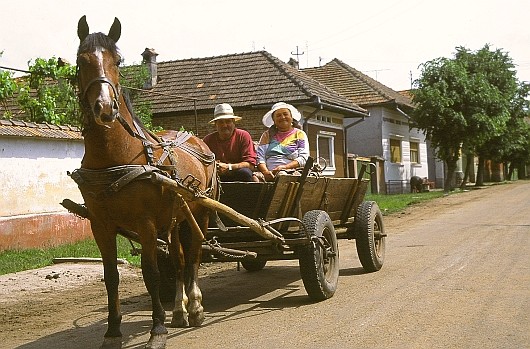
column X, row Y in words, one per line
column 224, row 111
column 267, row 118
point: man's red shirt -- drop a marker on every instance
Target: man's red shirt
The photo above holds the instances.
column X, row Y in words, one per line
column 239, row 147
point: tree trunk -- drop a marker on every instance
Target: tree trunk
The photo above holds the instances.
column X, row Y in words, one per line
column 449, row 179
column 467, row 170
column 510, row 171
column 521, row 170
column 480, row 171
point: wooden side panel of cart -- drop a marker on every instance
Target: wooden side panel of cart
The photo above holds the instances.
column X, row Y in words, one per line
column 339, row 197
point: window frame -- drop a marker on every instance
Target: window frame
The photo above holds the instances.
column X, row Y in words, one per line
column 415, row 152
column 392, row 148
column 330, row 137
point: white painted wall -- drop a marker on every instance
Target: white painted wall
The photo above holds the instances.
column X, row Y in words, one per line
column 399, row 129
column 33, row 174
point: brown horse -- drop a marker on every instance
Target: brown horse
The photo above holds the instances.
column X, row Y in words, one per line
column 114, row 180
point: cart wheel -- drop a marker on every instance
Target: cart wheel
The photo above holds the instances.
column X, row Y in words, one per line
column 253, row 264
column 168, row 277
column 370, row 236
column 319, row 260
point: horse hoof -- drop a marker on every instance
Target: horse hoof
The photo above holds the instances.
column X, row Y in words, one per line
column 178, row 321
column 111, row 343
column 197, row 319
column 157, row 341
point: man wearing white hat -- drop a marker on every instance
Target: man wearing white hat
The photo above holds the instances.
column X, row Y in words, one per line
column 233, row 147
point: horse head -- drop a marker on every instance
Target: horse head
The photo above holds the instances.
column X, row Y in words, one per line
column 98, row 61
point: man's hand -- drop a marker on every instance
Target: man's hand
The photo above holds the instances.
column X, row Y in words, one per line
column 222, row 167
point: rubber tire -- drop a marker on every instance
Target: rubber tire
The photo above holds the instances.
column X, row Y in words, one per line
column 253, row 264
column 168, row 277
column 320, row 277
column 367, row 225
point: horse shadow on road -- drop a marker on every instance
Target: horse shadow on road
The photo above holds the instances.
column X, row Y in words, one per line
column 226, row 294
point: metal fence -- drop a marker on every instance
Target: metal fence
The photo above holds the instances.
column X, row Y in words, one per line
column 397, row 187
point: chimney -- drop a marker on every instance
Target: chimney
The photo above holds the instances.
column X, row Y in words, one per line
column 149, row 59
column 293, row 63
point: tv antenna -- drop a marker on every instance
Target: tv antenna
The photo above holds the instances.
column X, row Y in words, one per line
column 297, row 54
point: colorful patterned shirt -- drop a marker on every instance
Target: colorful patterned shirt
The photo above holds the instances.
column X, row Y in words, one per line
column 282, row 148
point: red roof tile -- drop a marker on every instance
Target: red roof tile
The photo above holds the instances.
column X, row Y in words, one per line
column 247, row 79
column 358, row 87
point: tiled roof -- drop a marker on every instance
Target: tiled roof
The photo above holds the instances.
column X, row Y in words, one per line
column 360, row 88
column 30, row 129
column 243, row 80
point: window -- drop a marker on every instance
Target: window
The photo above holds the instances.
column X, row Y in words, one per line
column 326, row 150
column 415, row 152
column 395, row 150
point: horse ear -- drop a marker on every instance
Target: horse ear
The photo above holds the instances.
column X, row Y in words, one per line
column 82, row 28
column 115, row 30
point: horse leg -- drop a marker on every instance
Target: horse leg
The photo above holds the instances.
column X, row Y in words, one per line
column 176, row 252
column 151, row 277
column 193, row 261
column 107, row 245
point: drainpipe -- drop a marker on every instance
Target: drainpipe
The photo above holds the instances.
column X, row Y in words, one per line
column 402, row 113
column 345, row 141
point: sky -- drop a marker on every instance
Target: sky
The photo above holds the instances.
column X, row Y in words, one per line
column 385, row 39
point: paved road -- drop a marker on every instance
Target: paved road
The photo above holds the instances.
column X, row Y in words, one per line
column 456, row 275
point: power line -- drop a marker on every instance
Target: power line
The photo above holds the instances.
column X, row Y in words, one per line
column 15, row 69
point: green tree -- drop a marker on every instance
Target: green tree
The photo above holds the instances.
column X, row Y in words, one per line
column 134, row 78
column 8, row 87
column 512, row 147
column 49, row 94
column 464, row 101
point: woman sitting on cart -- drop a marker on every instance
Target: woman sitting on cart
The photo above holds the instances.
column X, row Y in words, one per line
column 284, row 147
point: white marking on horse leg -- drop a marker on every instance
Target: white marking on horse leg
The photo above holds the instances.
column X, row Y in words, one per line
column 180, row 312
column 195, row 308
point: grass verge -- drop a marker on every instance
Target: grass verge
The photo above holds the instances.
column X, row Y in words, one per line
column 394, row 203
column 12, row 261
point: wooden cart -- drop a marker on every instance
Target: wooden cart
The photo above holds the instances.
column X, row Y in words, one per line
column 296, row 217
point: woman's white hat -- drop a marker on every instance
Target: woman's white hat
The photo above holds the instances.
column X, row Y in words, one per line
column 267, row 118
column 224, row 111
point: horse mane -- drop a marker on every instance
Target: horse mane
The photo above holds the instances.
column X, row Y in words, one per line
column 128, row 104
column 97, row 40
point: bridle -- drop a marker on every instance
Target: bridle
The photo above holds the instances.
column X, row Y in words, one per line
column 116, row 90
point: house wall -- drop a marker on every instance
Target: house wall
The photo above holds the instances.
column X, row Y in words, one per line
column 371, row 137
column 396, row 126
column 33, row 173
column 364, row 137
column 251, row 122
column 314, row 128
